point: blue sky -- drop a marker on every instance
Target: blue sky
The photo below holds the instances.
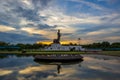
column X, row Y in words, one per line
column 28, row 21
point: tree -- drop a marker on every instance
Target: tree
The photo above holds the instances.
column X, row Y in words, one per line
column 105, row 44
column 96, row 45
column 37, row 46
column 115, row 45
column 3, row 43
column 22, row 46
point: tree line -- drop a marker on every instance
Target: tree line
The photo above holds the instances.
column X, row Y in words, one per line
column 104, row 44
column 101, row 45
column 20, row 46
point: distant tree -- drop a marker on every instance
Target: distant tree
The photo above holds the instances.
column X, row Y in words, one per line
column 96, row 45
column 105, row 44
column 115, row 45
column 75, row 44
column 4, row 43
column 28, row 46
column 102, row 45
column 37, row 46
column 22, row 46
column 71, row 43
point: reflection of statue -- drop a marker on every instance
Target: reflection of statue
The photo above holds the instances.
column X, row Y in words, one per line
column 58, row 38
column 58, row 68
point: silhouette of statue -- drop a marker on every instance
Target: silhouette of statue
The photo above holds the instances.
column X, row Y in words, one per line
column 58, row 38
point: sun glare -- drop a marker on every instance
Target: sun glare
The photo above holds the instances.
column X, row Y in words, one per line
column 50, row 42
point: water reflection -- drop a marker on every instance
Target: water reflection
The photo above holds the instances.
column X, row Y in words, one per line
column 58, row 68
column 94, row 67
column 58, row 64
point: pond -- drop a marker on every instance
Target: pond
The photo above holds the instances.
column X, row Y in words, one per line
column 94, row 67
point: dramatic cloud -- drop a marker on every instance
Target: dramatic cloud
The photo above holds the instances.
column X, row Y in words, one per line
column 40, row 19
column 56, row 17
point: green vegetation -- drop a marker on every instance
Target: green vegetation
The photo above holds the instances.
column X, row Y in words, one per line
column 101, row 45
column 112, row 53
column 108, row 49
column 42, row 52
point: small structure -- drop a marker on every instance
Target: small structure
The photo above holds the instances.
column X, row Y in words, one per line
column 58, row 64
column 57, row 46
column 59, row 57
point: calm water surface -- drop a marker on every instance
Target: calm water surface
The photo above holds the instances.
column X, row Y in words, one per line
column 94, row 67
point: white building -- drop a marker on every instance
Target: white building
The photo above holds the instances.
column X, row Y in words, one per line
column 59, row 47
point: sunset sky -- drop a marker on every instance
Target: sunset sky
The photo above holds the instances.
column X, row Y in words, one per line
column 29, row 21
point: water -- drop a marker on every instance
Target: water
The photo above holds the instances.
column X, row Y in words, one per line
column 94, row 67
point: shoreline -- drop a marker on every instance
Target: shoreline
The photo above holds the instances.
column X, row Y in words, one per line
column 109, row 53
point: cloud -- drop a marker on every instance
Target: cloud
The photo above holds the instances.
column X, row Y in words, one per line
column 34, row 30
column 44, row 17
column 24, row 22
column 45, row 32
column 4, row 28
column 66, row 29
column 19, row 10
column 56, row 17
column 110, row 1
column 112, row 38
column 102, row 32
column 5, row 72
column 90, row 4
column 40, row 4
column 20, row 38
column 28, row 4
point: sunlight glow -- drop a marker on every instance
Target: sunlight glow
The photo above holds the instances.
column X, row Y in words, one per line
column 5, row 72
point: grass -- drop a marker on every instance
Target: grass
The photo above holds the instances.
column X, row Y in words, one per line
column 42, row 52
column 112, row 53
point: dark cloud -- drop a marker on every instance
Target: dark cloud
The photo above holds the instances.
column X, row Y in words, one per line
column 40, row 26
column 39, row 4
column 66, row 34
column 2, row 22
column 26, row 13
column 97, row 27
column 110, row 20
column 8, row 19
column 44, row 26
column 12, row 11
column 19, row 38
column 7, row 15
